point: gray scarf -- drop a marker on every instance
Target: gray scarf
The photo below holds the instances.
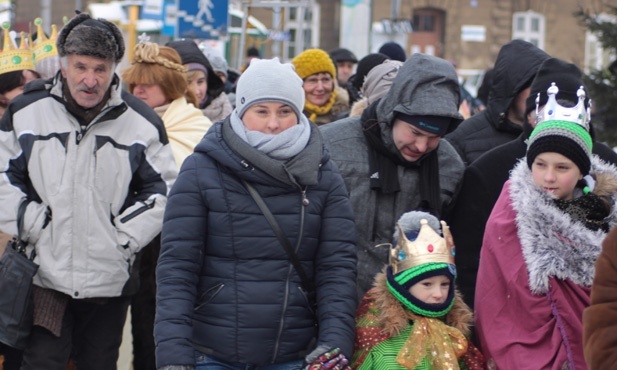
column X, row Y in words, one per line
column 284, row 145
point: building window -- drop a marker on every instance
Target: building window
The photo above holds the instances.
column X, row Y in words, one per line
column 291, row 50
column 529, row 26
column 520, row 24
column 423, row 22
column 302, row 26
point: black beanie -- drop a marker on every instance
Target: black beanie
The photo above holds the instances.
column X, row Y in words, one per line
column 437, row 125
column 364, row 67
column 567, row 76
column 343, row 55
column 562, row 145
column 393, row 51
column 253, row 52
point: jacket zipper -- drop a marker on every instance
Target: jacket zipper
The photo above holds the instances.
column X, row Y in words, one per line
column 138, row 211
column 212, row 292
column 304, row 203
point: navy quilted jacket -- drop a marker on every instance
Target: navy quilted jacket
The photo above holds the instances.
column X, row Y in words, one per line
column 226, row 286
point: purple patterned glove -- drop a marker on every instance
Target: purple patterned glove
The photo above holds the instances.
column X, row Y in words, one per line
column 331, row 360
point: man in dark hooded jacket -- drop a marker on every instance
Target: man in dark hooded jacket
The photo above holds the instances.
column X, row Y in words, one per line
column 485, row 177
column 502, row 120
column 392, row 159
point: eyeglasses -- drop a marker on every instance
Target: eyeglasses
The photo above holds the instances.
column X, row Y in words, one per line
column 314, row 81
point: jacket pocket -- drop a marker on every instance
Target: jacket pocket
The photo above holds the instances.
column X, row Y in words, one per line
column 207, row 296
column 48, row 169
column 112, row 171
column 309, row 304
column 146, row 206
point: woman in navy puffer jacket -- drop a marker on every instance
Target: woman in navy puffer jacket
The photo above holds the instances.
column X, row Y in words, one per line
column 228, row 294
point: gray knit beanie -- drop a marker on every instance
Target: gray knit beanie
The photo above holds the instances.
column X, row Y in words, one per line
column 379, row 80
column 97, row 38
column 269, row 80
column 219, row 64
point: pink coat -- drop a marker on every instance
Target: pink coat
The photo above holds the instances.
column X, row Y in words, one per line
column 517, row 329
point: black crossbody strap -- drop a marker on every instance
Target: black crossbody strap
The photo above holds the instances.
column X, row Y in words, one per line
column 21, row 213
column 20, row 245
column 293, row 257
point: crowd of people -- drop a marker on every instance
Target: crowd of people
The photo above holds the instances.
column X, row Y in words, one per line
column 326, row 213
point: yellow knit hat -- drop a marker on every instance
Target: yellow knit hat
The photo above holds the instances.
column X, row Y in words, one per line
column 312, row 61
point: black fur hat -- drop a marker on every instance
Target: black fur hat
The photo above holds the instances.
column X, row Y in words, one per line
column 97, row 38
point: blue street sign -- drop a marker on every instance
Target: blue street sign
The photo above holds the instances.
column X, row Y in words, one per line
column 202, row 19
column 170, row 21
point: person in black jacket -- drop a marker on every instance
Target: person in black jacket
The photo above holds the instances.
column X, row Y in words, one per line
column 502, row 120
column 228, row 292
column 484, row 178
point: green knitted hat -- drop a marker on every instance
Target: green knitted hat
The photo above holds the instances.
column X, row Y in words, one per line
column 566, row 138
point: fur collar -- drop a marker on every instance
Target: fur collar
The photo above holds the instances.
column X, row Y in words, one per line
column 393, row 317
column 553, row 244
column 358, row 107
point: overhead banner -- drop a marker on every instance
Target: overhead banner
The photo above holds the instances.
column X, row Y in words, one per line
column 355, row 21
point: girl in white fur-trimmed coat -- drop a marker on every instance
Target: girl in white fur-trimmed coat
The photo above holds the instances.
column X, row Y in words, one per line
column 540, row 247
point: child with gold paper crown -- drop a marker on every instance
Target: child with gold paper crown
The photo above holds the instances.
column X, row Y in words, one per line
column 413, row 317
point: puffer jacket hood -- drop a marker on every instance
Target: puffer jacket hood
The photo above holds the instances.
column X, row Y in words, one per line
column 425, row 85
column 515, row 67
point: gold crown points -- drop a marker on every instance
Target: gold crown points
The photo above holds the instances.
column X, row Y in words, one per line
column 13, row 58
column 554, row 111
column 428, row 247
column 44, row 47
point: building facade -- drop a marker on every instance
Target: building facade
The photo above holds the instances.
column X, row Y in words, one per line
column 470, row 33
column 467, row 32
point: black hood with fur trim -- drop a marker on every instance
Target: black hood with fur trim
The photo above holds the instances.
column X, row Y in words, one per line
column 189, row 53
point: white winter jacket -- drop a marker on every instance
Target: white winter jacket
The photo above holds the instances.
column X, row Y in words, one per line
column 95, row 195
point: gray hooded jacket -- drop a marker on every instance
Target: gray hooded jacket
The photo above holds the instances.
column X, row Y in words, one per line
column 424, row 86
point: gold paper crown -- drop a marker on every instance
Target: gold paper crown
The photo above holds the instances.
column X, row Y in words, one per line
column 44, row 47
column 13, row 58
column 428, row 247
column 553, row 111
